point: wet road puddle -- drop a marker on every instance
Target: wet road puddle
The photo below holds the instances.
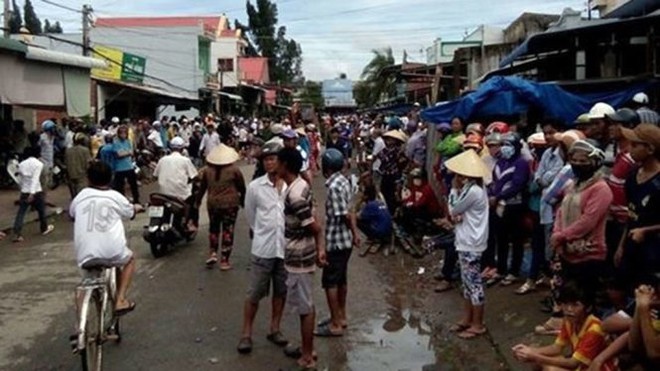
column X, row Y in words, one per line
column 397, row 341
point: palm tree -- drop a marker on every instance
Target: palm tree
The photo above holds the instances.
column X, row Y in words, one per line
column 379, row 84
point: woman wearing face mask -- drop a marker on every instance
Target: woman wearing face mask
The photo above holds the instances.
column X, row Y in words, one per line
column 578, row 237
column 505, row 193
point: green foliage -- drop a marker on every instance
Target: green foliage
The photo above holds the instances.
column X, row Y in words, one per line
column 16, row 21
column 311, row 93
column 52, row 28
column 284, row 54
column 32, row 22
column 375, row 85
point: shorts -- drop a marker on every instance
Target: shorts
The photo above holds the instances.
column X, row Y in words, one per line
column 336, row 272
column 473, row 287
column 299, row 296
column 263, row 272
column 118, row 261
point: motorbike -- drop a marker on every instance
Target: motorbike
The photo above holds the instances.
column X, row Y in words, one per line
column 167, row 224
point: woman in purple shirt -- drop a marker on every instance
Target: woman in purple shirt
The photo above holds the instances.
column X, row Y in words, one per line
column 506, row 193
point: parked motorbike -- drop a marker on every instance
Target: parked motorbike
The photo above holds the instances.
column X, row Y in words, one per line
column 167, row 224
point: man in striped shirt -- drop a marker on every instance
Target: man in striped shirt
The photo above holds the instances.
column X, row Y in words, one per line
column 305, row 247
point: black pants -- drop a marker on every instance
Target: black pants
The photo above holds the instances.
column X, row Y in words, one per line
column 388, row 189
column 488, row 257
column 120, row 179
column 449, row 265
column 39, row 204
column 509, row 231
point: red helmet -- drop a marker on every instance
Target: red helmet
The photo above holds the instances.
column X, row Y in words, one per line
column 497, row 127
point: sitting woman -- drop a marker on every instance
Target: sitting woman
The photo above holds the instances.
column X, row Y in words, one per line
column 581, row 334
column 374, row 220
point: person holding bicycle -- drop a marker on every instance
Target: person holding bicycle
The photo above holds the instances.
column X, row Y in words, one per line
column 99, row 236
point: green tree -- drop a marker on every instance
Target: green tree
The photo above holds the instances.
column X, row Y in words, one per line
column 284, row 55
column 47, row 26
column 251, row 50
column 32, row 22
column 52, row 28
column 16, row 21
column 378, row 85
column 311, row 93
column 342, row 76
column 57, row 27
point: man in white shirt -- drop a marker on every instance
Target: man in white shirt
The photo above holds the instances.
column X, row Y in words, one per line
column 29, row 174
column 175, row 173
column 154, row 136
column 210, row 140
column 264, row 210
column 379, row 145
column 98, row 233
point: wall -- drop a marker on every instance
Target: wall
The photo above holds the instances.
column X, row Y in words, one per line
column 171, row 53
column 226, row 47
column 607, row 6
column 526, row 25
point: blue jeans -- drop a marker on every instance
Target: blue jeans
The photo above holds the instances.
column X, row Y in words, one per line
column 39, row 203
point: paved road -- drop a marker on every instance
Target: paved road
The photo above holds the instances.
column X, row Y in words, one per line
column 189, row 317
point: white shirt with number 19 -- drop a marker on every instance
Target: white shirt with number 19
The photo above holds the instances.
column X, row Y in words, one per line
column 98, row 230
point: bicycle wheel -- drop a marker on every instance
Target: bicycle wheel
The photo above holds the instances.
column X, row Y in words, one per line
column 110, row 321
column 91, row 355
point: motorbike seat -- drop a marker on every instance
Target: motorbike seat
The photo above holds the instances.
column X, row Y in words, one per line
column 160, row 199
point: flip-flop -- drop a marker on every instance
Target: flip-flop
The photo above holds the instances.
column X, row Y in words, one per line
column 324, row 331
column 458, row 327
column 211, row 262
column 295, row 352
column 326, row 322
column 123, row 311
column 468, row 334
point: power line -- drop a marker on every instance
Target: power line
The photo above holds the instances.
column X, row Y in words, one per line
column 49, row 2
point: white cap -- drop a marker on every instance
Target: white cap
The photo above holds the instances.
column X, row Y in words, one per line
column 599, row 110
column 416, row 104
column 115, row 120
column 156, row 123
column 641, row 98
column 177, row 142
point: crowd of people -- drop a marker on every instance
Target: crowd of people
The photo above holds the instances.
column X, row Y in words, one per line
column 583, row 197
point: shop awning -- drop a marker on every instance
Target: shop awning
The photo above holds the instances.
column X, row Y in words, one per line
column 231, row 96
column 67, row 59
column 166, row 96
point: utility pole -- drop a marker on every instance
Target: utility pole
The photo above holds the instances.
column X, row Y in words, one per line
column 7, row 15
column 86, row 26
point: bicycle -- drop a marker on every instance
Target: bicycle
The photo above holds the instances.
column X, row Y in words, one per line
column 97, row 322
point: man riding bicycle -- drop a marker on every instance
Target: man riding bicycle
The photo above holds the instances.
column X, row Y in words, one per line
column 99, row 236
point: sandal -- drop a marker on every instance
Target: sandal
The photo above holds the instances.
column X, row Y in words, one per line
column 18, row 239
column 526, row 288
column 210, row 262
column 509, row 280
column 493, row 280
column 295, row 352
column 551, row 327
column 443, row 286
column 470, row 333
column 123, row 311
column 327, row 322
column 325, row 331
column 458, row 327
column 224, row 265
column 278, row 339
column 244, row 346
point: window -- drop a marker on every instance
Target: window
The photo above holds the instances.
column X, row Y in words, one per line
column 225, row 65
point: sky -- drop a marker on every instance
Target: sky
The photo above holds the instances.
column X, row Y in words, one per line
column 336, row 36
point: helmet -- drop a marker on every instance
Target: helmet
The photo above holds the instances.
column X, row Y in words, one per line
column 271, row 148
column 493, row 138
column 416, row 173
column 48, row 125
column 332, row 160
column 177, row 143
column 641, row 98
column 497, row 127
column 475, row 128
column 625, row 116
column 599, row 110
column 115, row 120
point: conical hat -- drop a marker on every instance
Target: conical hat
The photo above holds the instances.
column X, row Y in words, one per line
column 468, row 164
column 222, row 155
column 397, row 134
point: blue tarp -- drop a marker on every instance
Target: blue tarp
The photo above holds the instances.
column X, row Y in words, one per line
column 508, row 95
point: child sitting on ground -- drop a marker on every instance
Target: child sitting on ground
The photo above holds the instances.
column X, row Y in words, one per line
column 581, row 333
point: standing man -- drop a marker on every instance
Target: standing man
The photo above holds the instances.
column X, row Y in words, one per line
column 305, row 246
column 264, row 211
column 210, row 140
column 47, row 145
column 124, row 169
column 77, row 159
column 340, row 236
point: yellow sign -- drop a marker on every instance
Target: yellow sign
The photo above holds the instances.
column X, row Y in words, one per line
column 113, row 57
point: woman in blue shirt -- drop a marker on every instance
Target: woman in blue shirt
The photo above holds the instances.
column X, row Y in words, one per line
column 123, row 164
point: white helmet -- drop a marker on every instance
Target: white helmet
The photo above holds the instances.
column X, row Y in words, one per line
column 600, row 110
column 115, row 120
column 641, row 98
